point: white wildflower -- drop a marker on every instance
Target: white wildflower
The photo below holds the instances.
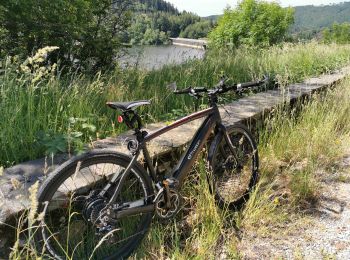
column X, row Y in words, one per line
column 33, row 190
column 41, row 54
column 33, row 66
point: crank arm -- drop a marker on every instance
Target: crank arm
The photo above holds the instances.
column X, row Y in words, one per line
column 133, row 211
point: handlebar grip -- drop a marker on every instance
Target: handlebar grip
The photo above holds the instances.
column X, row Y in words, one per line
column 200, row 90
column 250, row 84
column 183, row 91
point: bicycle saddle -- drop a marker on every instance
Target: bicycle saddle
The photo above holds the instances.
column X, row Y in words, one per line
column 127, row 105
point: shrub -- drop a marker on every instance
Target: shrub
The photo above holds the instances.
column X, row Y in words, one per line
column 253, row 22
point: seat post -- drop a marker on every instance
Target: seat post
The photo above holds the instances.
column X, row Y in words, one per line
column 132, row 119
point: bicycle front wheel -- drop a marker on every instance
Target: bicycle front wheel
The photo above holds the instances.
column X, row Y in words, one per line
column 235, row 169
column 72, row 227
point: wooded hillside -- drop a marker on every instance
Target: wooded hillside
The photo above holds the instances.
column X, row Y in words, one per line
column 317, row 17
column 155, row 21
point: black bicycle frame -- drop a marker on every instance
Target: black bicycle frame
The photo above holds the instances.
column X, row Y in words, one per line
column 212, row 119
column 211, row 122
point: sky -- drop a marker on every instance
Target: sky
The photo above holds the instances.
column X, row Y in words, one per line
column 211, row 7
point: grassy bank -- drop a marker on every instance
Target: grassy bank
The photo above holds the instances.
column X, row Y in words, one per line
column 297, row 149
column 297, row 152
column 45, row 112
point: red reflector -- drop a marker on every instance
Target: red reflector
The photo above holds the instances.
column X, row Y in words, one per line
column 120, row 119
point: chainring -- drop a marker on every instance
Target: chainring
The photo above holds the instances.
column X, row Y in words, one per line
column 164, row 212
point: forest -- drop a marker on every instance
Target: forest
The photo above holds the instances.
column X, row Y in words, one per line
column 91, row 33
column 154, row 22
column 316, row 18
column 141, row 22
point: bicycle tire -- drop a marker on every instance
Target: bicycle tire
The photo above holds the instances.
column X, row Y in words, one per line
column 51, row 185
column 222, row 168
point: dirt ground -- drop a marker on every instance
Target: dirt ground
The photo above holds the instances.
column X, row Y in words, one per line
column 324, row 232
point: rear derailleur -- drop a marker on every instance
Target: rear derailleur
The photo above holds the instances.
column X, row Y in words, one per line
column 96, row 211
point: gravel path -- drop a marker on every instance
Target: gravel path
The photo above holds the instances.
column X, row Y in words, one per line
column 324, row 234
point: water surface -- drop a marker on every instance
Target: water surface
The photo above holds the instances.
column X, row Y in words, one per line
column 155, row 57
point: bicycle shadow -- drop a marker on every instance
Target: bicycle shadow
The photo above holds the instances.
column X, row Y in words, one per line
column 327, row 207
column 332, row 205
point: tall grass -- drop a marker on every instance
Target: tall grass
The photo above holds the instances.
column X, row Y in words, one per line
column 298, row 151
column 197, row 232
column 61, row 112
column 298, row 148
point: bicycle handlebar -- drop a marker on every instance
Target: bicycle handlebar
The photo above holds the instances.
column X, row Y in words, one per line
column 221, row 88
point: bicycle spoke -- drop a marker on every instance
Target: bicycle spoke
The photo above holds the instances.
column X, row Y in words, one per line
column 73, row 213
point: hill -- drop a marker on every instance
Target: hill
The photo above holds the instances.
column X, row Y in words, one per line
column 212, row 17
column 318, row 17
column 155, row 21
column 154, row 6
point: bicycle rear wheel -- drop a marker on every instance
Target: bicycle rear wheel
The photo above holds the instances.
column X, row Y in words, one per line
column 234, row 171
column 72, row 227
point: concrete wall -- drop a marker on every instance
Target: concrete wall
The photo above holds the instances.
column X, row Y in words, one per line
column 192, row 43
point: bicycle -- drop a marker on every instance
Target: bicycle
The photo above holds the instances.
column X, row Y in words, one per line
column 101, row 204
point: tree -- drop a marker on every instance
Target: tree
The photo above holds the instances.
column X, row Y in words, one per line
column 153, row 22
column 88, row 32
column 197, row 30
column 253, row 22
column 3, row 33
column 338, row 33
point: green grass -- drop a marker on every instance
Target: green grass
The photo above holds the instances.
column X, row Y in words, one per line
column 53, row 113
column 297, row 151
column 298, row 148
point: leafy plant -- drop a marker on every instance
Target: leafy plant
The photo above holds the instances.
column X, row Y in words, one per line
column 72, row 141
column 79, row 130
column 254, row 23
column 52, row 143
column 338, row 33
column 88, row 32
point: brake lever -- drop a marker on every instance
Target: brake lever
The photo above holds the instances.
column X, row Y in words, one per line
column 266, row 78
column 194, row 94
column 223, row 79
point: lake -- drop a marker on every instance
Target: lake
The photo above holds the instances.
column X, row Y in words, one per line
column 155, row 57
